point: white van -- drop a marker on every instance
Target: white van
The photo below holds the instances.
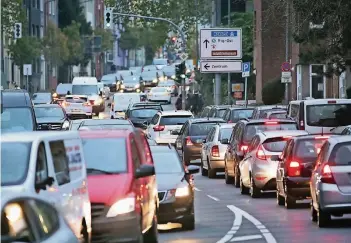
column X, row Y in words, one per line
column 120, row 103
column 89, row 86
column 51, row 165
column 320, row 116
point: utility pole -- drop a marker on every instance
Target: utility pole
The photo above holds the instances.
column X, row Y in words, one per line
column 197, row 31
column 287, row 31
column 217, row 75
column 229, row 86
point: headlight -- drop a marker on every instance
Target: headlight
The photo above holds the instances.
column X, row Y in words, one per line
column 54, row 95
column 188, row 71
column 182, row 191
column 122, row 206
column 137, row 86
column 65, row 125
column 122, row 86
column 98, row 102
column 154, row 81
column 173, row 76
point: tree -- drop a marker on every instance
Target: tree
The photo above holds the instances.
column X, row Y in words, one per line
column 25, row 50
column 273, row 92
column 106, row 38
column 12, row 12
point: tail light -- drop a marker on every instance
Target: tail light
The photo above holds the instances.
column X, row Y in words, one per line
column 149, row 159
column 159, row 128
column 86, row 104
column 271, row 123
column 244, row 148
column 215, row 151
column 321, row 137
column 327, row 176
column 302, row 125
column 294, row 169
column 188, row 141
column 91, row 102
column 260, row 154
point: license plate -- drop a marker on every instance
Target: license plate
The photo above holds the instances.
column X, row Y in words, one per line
column 76, row 110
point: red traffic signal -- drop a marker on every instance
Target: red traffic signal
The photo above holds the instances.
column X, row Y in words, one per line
column 174, row 39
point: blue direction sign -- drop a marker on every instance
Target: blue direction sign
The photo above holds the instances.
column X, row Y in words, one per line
column 246, row 69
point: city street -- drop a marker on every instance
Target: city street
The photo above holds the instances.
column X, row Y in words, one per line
column 224, row 215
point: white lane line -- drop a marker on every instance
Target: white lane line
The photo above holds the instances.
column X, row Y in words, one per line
column 248, row 237
column 214, row 198
column 266, row 234
column 197, row 189
column 236, row 225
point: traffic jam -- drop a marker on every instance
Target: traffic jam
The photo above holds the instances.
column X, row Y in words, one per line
column 70, row 175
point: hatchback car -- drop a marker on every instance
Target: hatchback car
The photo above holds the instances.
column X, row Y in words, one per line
column 259, row 166
column 330, row 181
column 141, row 117
column 160, row 94
column 234, row 114
column 295, row 168
column 218, row 111
column 131, row 84
column 175, row 187
column 212, row 152
column 77, row 107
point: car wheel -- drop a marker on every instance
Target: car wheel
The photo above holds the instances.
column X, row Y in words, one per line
column 243, row 189
column 152, row 234
column 203, row 170
column 211, row 172
column 323, row 218
column 189, row 223
column 237, row 178
column 254, row 191
column 288, row 201
column 314, row 216
column 228, row 179
column 280, row 199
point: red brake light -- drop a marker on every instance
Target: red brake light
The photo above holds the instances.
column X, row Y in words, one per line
column 327, row 176
column 331, row 101
column 91, row 102
column 215, row 151
column 244, row 148
column 148, row 152
column 188, row 141
column 271, row 123
column 294, row 169
column 260, row 154
column 159, row 128
column 302, row 125
column 321, row 137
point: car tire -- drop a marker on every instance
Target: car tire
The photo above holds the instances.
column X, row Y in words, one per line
column 289, row 202
column 254, row 191
column 280, row 199
column 227, row 178
column 152, row 234
column 189, row 223
column 243, row 189
column 84, row 235
column 204, row 172
column 314, row 213
column 323, row 218
column 212, row 173
column 236, row 178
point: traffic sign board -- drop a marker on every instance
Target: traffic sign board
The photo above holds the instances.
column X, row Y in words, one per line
column 221, row 43
column 286, row 77
column 183, row 56
column 233, row 66
column 246, row 69
column 286, row 67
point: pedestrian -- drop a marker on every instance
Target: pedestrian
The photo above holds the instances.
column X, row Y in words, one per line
column 179, row 102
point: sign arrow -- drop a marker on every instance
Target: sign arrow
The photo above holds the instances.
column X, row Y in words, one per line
column 206, row 42
column 206, row 66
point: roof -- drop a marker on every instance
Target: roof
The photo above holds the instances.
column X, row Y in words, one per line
column 273, row 134
column 241, row 108
column 270, row 121
column 47, row 106
column 146, row 104
column 33, row 136
column 175, row 113
column 105, row 133
column 203, row 120
column 277, row 111
column 15, row 98
column 78, row 121
column 269, row 107
column 151, row 107
column 221, row 107
column 92, row 122
column 325, row 101
column 226, row 125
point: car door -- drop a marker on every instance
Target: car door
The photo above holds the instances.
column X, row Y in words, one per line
column 285, row 162
column 246, row 164
column 230, row 151
column 179, row 138
column 280, row 167
column 315, row 177
column 206, row 144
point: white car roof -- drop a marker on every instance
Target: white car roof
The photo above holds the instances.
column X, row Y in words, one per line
column 38, row 135
column 175, row 113
column 225, row 125
column 321, row 101
column 273, row 134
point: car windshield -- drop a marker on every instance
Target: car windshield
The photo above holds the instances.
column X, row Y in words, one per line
column 41, row 112
column 42, row 97
column 330, row 115
column 225, row 133
column 252, row 129
column 341, row 154
column 281, row 115
column 143, row 113
column 308, row 149
column 112, row 150
column 168, row 69
column 160, row 62
column 131, row 79
column 85, row 89
column 274, row 144
column 158, row 90
column 149, row 75
column 240, row 114
column 64, row 88
column 77, row 100
column 14, row 162
column 16, row 120
column 174, row 120
column 201, row 129
column 166, row 162
column 108, row 79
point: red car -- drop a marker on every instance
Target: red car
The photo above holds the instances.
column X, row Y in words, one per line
column 122, row 186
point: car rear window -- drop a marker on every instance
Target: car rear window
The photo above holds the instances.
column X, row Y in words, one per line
column 174, row 120
column 112, row 150
column 220, row 113
column 225, row 133
column 143, row 113
column 201, row 129
column 252, row 129
column 236, row 115
column 281, row 115
column 274, row 144
column 341, row 154
column 308, row 149
column 76, row 100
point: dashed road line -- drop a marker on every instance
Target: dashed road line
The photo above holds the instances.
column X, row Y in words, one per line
column 248, row 237
column 236, row 225
column 265, row 232
column 214, row 198
column 197, row 189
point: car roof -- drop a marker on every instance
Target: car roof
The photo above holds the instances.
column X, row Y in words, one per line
column 146, row 104
column 42, row 92
column 226, row 125
column 241, row 108
column 47, row 106
column 219, row 107
column 93, row 122
column 106, row 133
column 339, row 139
column 273, row 134
column 174, row 113
column 204, row 120
column 150, row 107
column 78, row 121
column 15, row 98
column 312, row 136
column 37, row 135
column 269, row 107
column 321, row 101
column 269, row 120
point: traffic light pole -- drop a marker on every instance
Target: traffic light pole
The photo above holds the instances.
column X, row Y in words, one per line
column 181, row 36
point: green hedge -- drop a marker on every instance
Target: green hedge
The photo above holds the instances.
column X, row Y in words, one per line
column 273, row 92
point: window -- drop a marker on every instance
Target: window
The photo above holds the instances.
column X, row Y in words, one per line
column 225, row 133
column 38, row 31
column 201, row 129
column 155, row 119
column 47, row 218
column 294, row 111
column 135, row 155
column 210, row 135
column 16, row 120
column 174, row 120
column 33, row 30
column 38, row 4
column 341, row 155
column 60, row 160
column 41, row 170
column 166, row 163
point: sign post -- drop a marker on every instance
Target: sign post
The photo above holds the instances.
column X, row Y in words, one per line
column 245, row 74
column 27, row 71
column 286, row 78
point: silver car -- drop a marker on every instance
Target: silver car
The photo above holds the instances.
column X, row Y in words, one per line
column 213, row 151
column 78, row 107
column 331, row 181
column 28, row 218
column 258, row 169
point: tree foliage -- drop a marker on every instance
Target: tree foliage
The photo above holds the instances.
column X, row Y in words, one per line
column 25, row 50
column 54, row 45
column 12, row 12
column 106, row 38
column 273, row 92
column 74, row 44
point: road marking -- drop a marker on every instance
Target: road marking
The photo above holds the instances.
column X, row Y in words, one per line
column 266, row 234
column 248, row 237
column 197, row 189
column 236, row 225
column 214, row 198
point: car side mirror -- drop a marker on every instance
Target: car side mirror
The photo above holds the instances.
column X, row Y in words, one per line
column 225, row 141
column 41, row 185
column 175, row 132
column 144, row 171
column 192, row 169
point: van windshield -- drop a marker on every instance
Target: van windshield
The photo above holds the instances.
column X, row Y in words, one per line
column 328, row 115
column 14, row 162
column 85, row 89
column 16, row 120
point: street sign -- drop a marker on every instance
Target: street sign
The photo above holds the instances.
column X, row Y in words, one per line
column 238, row 87
column 286, row 67
column 286, row 77
column 246, row 70
column 233, row 66
column 221, row 43
column 27, row 69
column 183, row 56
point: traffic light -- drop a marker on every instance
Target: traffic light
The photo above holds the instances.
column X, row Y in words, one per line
column 180, row 70
column 108, row 17
column 18, row 30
